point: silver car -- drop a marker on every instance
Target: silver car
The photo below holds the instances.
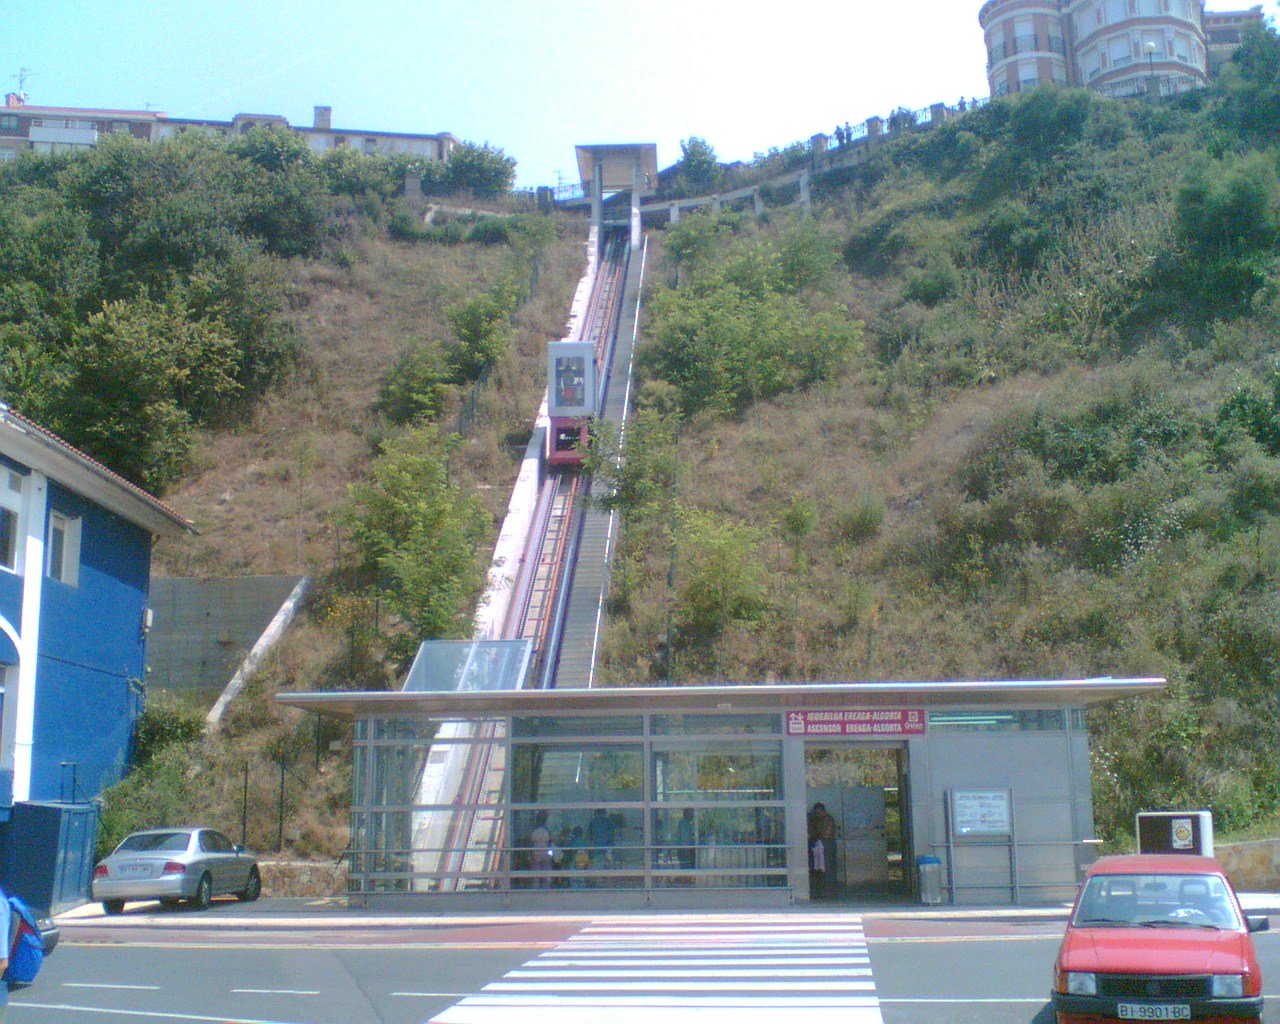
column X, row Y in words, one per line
column 175, row 864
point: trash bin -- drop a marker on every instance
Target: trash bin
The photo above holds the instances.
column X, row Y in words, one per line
column 930, row 869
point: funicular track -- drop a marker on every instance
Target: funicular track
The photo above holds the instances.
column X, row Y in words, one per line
column 469, row 844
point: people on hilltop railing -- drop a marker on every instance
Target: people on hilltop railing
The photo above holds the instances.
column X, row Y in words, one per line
column 778, row 162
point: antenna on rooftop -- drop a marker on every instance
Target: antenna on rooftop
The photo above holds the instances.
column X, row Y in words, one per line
column 22, row 76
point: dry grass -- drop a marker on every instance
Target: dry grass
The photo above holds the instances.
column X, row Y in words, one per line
column 262, row 495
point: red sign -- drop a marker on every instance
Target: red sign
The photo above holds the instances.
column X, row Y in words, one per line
column 880, row 722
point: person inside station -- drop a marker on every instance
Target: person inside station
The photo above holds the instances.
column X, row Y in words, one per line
column 602, row 833
column 822, row 835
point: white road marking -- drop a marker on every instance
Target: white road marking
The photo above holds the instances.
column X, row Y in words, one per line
column 166, row 1015
column 95, row 984
column 275, row 992
column 625, row 972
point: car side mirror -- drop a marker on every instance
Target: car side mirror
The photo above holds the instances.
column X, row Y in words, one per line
column 1258, row 924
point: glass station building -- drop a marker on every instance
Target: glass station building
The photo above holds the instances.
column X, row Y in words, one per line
column 469, row 791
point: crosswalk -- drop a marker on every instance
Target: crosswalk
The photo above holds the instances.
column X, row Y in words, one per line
column 672, row 968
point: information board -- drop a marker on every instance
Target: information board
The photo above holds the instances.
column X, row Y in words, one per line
column 980, row 812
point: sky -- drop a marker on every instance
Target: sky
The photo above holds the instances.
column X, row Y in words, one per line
column 533, row 78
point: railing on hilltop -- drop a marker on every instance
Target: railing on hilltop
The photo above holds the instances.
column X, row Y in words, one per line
column 848, row 144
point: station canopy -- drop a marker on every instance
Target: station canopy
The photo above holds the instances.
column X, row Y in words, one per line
column 438, row 700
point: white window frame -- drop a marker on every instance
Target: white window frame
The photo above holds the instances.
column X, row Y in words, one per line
column 11, row 493
column 62, row 561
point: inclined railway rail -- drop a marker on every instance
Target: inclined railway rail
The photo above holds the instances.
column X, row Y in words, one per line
column 541, row 588
column 464, row 847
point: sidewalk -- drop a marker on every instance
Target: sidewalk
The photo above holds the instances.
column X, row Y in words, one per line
column 298, row 912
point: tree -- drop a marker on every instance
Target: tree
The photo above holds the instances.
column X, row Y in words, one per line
column 285, row 206
column 694, row 238
column 48, row 261
column 1227, row 221
column 157, row 210
column 481, row 169
column 738, row 330
column 416, row 387
column 482, row 325
column 417, row 536
column 272, row 147
column 1251, row 83
column 698, row 170
column 638, row 474
column 139, row 376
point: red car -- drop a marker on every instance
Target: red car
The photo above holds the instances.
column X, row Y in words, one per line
column 1157, row 937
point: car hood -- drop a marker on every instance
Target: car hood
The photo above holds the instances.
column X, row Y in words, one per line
column 1156, row 950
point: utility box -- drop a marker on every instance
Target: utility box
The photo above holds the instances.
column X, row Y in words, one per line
column 50, row 857
column 1188, row 832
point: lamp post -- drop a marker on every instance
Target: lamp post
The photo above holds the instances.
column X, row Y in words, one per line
column 1151, row 73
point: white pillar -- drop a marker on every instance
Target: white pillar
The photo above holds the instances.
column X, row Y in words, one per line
column 637, row 181
column 22, row 706
column 597, row 197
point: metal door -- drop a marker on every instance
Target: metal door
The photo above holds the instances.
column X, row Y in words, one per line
column 862, row 848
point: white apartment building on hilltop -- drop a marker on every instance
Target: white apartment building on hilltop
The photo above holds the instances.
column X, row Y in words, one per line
column 1118, row 47
column 61, row 129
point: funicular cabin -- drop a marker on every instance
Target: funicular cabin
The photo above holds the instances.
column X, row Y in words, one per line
column 571, row 400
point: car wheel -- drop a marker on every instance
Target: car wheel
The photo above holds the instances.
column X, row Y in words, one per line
column 204, row 892
column 113, row 906
column 253, row 888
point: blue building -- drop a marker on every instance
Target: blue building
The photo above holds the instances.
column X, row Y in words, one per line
column 75, row 563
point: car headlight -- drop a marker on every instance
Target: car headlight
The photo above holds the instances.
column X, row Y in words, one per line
column 1228, row 986
column 1082, row 983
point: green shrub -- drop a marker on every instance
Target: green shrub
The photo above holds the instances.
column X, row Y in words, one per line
column 165, row 721
column 416, row 387
column 936, row 282
column 163, row 792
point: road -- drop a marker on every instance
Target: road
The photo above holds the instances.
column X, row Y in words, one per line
column 269, row 965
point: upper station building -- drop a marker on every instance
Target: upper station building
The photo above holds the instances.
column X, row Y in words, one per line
column 1118, row 47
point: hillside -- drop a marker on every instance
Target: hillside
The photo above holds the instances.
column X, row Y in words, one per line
column 1051, row 451
column 1005, row 406
column 263, row 495
column 252, row 331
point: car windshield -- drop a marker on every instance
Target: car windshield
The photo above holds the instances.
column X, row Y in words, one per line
column 168, row 841
column 1155, row 900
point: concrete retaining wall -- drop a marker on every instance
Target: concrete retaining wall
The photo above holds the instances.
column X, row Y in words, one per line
column 203, row 628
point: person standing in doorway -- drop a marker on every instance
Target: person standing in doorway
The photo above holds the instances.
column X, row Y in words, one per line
column 822, row 835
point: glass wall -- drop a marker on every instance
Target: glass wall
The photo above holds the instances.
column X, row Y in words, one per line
column 601, row 801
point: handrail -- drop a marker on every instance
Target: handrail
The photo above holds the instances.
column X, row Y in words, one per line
column 634, row 863
column 953, row 887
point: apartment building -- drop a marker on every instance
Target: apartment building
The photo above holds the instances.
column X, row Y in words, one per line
column 1118, row 47
column 59, row 129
